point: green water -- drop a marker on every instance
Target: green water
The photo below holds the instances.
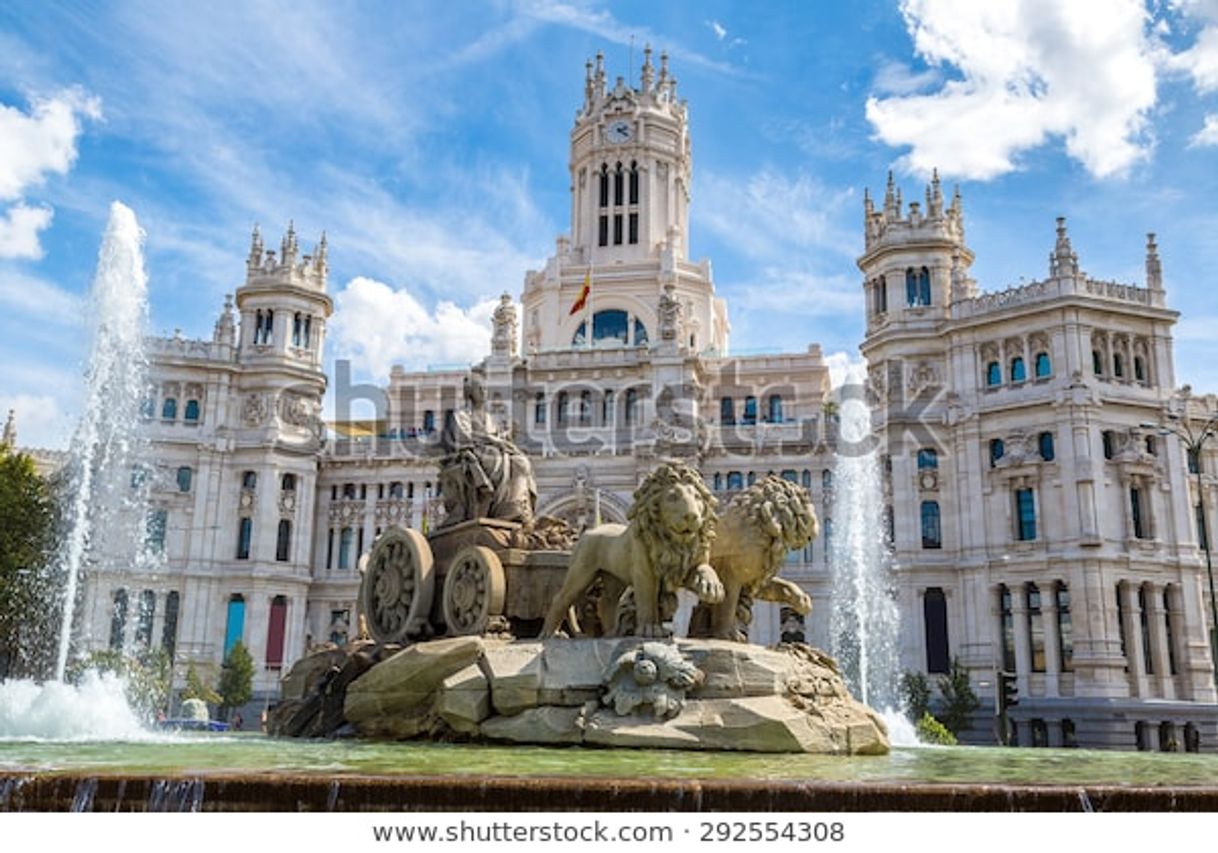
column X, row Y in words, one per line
column 255, row 755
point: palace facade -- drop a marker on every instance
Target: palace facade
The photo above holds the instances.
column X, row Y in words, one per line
column 1036, row 524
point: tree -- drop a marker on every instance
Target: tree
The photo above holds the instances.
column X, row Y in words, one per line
column 932, row 731
column 236, row 685
column 28, row 621
column 915, row 690
column 959, row 700
column 197, row 689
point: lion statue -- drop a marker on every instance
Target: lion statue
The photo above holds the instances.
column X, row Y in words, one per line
column 664, row 546
column 757, row 530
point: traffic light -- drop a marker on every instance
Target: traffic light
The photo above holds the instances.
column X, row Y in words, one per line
column 1008, row 691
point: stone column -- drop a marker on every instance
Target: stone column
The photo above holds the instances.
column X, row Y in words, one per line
column 1023, row 649
column 1158, row 639
column 1133, row 640
column 1053, row 657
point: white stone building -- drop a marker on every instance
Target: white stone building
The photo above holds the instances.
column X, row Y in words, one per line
column 619, row 356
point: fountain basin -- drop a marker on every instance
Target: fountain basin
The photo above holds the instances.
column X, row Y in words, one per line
column 255, row 773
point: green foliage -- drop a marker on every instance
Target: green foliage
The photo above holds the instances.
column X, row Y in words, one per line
column 27, row 595
column 934, row 732
column 146, row 677
column 915, row 692
column 959, row 700
column 236, row 685
column 197, row 689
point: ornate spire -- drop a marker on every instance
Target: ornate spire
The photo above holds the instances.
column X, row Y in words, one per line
column 255, row 257
column 1154, row 268
column 9, row 439
column 934, row 196
column 890, row 198
column 648, row 75
column 1064, row 261
column 226, row 325
column 589, row 96
column 598, row 79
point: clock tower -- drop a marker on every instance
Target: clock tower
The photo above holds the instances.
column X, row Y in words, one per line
column 630, row 165
column 630, row 168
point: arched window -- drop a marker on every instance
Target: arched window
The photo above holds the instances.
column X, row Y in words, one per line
column 934, row 613
column 1139, row 368
column 997, row 451
column 396, row 491
column 1007, row 617
column 826, row 480
column 805, row 480
column 258, row 326
column 924, row 287
column 346, row 541
column 610, row 325
column 191, row 415
column 283, row 540
column 752, row 478
column 603, row 184
column 348, row 491
column 1169, row 628
column 234, row 625
column 245, row 531
column 249, row 480
column 718, row 482
column 1036, row 627
column 1137, row 513
column 1044, row 366
column 790, row 475
column 881, row 296
column 1018, row 372
column 429, row 421
column 585, row 408
column 297, row 329
column 1109, row 442
column 774, row 404
column 145, row 617
column 1069, row 737
column 1118, row 365
column 727, row 411
column 1148, row 658
column 185, row 476
column 928, row 459
column 634, row 185
column 640, row 331
column 993, row 374
column 617, row 187
column 169, row 409
column 287, row 483
column 539, row 408
column 632, row 228
column 911, row 287
column 735, row 481
column 1044, row 443
column 632, row 406
column 118, row 620
column 560, row 409
column 169, row 632
column 275, row 630
column 1097, row 362
column 608, row 408
column 932, row 533
column 1065, row 627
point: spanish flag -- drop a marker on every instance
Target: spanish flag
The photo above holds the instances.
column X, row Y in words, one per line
column 583, row 294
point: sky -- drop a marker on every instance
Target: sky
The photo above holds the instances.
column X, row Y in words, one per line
column 429, row 141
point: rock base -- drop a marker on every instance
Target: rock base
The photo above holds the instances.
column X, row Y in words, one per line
column 787, row 699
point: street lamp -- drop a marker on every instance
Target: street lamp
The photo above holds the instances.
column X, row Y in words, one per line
column 1193, row 440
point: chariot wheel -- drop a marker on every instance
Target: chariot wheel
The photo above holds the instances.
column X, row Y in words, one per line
column 398, row 585
column 474, row 590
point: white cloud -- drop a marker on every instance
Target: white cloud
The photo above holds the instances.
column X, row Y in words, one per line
column 38, row 299
column 377, row 326
column 39, row 419
column 1207, row 135
column 718, row 29
column 34, row 145
column 897, row 78
column 1029, row 70
column 41, row 142
column 19, row 229
column 770, row 215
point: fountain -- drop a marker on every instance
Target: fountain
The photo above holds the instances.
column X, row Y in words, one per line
column 865, row 621
column 107, row 493
column 104, row 495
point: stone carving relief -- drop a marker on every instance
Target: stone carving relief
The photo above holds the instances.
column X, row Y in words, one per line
column 254, row 410
column 506, row 329
column 653, row 676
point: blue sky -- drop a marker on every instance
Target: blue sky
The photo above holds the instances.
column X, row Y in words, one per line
column 430, row 141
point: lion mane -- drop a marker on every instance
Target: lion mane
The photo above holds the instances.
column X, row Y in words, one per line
column 756, row 531
column 672, row 557
column 648, row 553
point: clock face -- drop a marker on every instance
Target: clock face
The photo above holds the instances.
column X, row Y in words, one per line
column 619, row 131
